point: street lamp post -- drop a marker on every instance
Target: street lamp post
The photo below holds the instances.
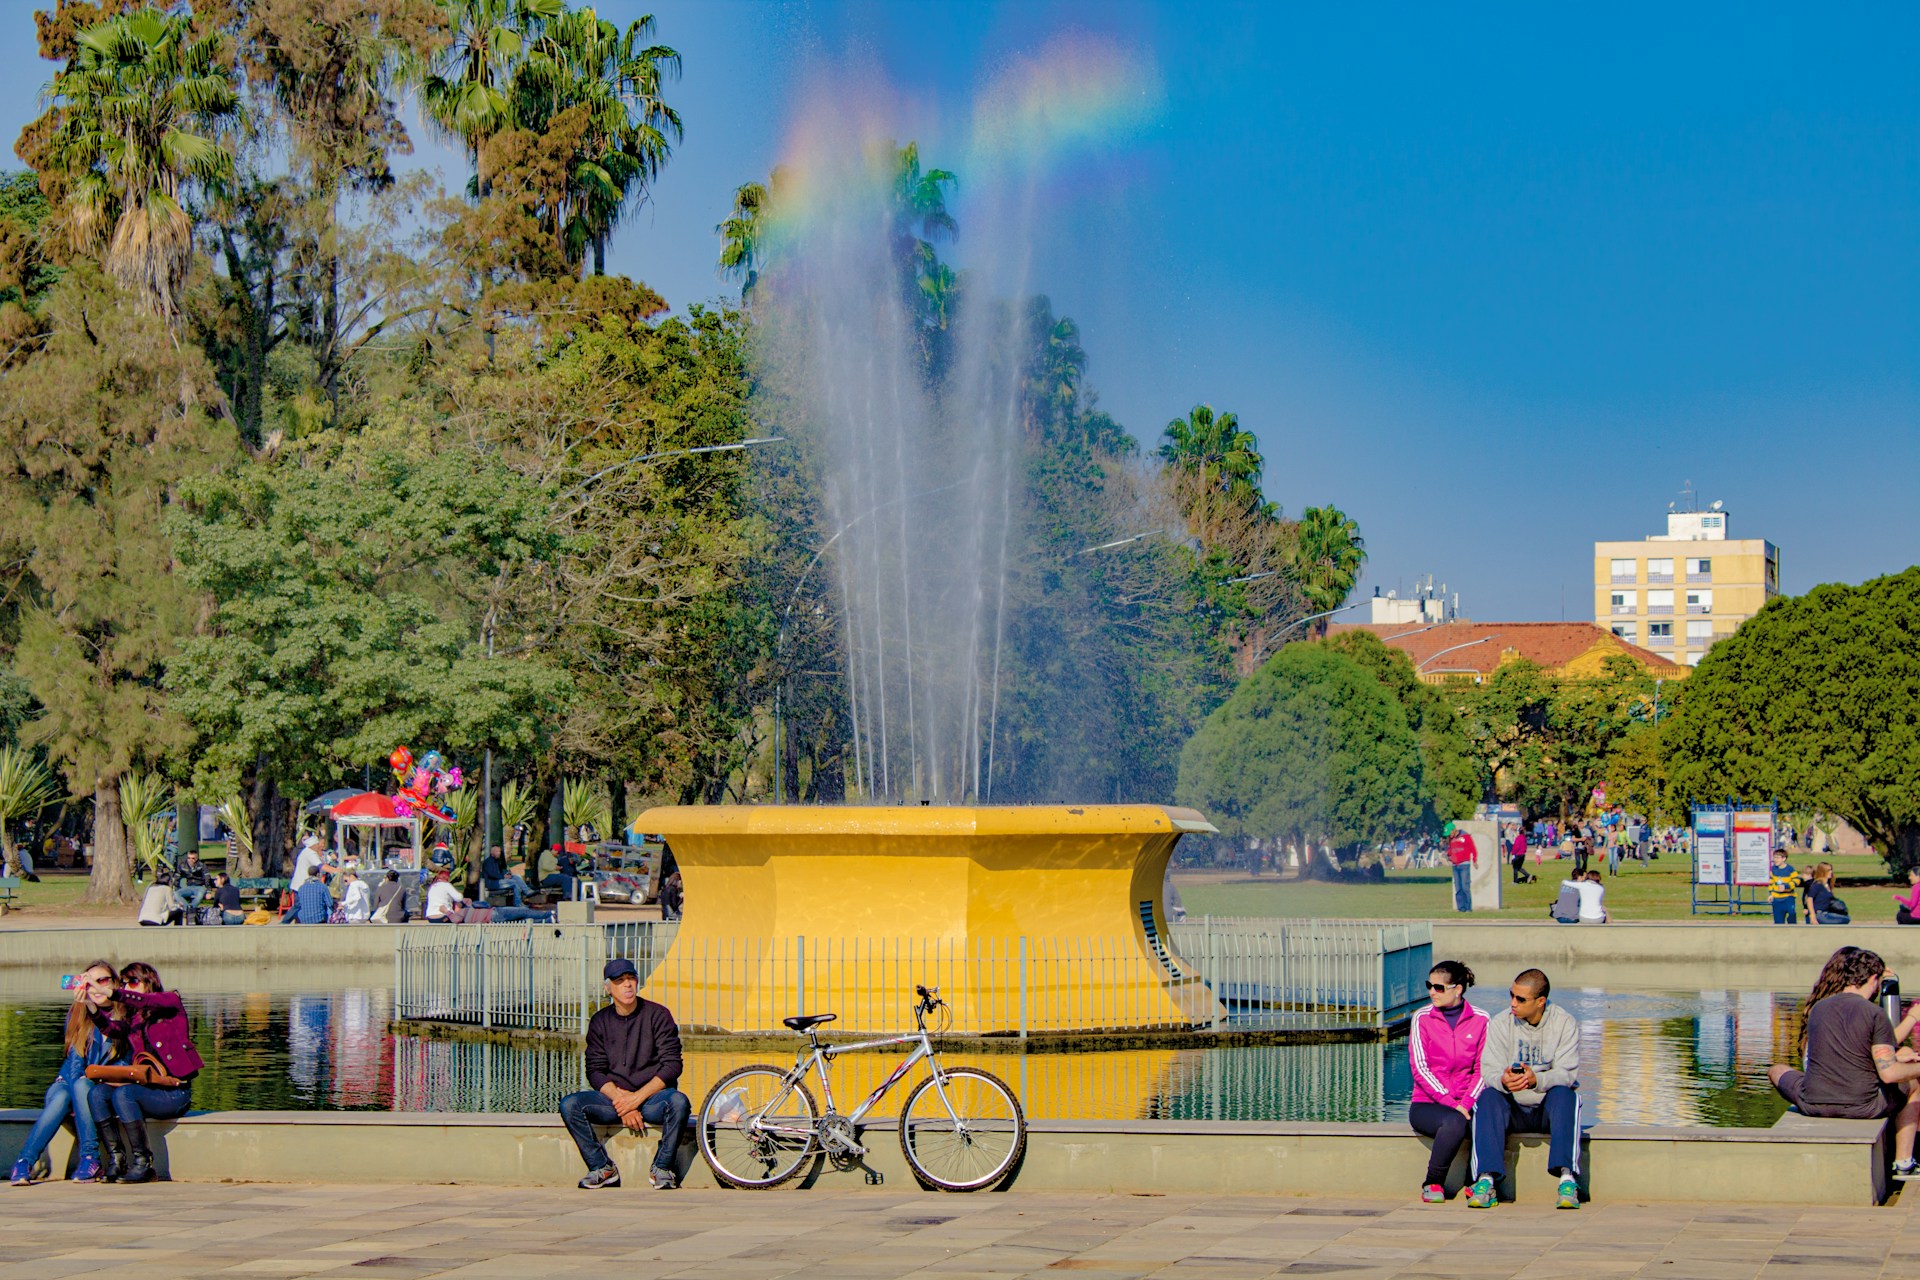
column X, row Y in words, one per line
column 1453, row 648
column 1301, row 622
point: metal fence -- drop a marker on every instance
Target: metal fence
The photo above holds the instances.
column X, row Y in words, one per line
column 1207, row 973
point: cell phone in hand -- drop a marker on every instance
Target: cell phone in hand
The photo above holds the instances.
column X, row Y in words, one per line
column 70, row 982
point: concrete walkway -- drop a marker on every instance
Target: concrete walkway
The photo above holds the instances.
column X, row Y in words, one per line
column 349, row 1231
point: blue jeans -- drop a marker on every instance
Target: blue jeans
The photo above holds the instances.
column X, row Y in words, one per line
column 580, row 1112
column 1784, row 912
column 66, row 1100
column 1496, row 1114
column 1463, row 886
column 512, row 884
column 514, row 915
column 569, row 886
column 133, row 1102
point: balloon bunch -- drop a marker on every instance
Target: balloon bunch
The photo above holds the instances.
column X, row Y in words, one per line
column 420, row 784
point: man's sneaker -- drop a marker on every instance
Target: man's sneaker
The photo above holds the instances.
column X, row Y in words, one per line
column 22, row 1175
column 1907, row 1169
column 607, row 1177
column 1483, row 1196
column 1569, row 1193
column 1433, row 1193
column 663, row 1179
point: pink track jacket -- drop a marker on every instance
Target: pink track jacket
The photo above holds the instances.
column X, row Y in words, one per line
column 1446, row 1059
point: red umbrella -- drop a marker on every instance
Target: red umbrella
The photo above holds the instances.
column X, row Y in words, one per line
column 369, row 804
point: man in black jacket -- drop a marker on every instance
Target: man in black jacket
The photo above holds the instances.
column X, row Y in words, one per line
column 633, row 1064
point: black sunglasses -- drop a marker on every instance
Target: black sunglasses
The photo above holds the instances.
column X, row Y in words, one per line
column 1440, row 986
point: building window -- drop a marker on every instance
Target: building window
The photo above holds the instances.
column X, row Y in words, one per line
column 1699, row 602
column 1625, row 601
column 1699, row 632
column 1660, row 635
column 1659, row 602
column 1627, row 631
column 1773, row 573
column 1700, row 570
column 1693, row 659
column 1623, row 571
column 1660, row 571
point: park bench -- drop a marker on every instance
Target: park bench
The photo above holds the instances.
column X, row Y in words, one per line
column 9, row 893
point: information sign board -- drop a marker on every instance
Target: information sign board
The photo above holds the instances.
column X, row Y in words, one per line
column 1710, row 847
column 1752, row 846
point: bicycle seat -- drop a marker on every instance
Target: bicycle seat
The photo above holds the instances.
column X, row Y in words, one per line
column 808, row 1021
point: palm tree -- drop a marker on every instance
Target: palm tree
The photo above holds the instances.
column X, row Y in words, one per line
column 583, row 61
column 1328, row 554
column 141, row 100
column 741, row 236
column 463, row 89
column 1212, row 449
column 25, row 789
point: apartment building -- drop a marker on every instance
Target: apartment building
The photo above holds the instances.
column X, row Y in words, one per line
column 1678, row 593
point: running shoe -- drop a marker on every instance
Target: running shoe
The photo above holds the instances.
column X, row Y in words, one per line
column 607, row 1177
column 88, row 1170
column 22, row 1175
column 1483, row 1196
column 1433, row 1193
column 663, row 1179
column 1907, row 1169
column 1569, row 1194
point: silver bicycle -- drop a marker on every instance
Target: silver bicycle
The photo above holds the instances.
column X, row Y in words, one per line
column 960, row 1128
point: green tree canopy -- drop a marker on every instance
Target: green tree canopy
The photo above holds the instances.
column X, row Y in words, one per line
column 1453, row 777
column 1815, row 703
column 1311, row 748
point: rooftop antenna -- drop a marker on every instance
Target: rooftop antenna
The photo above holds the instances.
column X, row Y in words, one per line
column 1690, row 497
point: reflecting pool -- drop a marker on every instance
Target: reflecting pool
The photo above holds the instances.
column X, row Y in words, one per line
column 1647, row 1057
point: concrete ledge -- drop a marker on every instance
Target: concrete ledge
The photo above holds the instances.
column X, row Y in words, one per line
column 1827, row 1162
column 1681, row 954
column 64, row 950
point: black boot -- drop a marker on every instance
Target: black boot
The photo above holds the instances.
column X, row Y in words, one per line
column 113, row 1145
column 139, row 1157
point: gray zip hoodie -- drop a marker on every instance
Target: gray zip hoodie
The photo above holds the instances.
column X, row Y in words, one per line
column 1552, row 1049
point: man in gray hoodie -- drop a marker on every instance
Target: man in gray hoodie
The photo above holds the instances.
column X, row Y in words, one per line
column 1529, row 1063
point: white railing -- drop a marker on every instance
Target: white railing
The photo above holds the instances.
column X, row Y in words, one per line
column 1208, row 973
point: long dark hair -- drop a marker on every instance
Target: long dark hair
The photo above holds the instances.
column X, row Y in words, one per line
column 1847, row 967
column 1458, row 974
column 141, row 971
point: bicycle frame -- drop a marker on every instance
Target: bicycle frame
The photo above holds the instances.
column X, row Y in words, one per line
column 820, row 1055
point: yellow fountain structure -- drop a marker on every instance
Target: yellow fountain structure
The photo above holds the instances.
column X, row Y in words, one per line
column 1030, row 919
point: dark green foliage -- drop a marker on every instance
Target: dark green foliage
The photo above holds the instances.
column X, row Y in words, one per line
column 1815, row 703
column 1451, row 774
column 1310, row 749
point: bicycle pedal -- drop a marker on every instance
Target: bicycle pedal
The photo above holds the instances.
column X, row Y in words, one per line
column 875, row 1177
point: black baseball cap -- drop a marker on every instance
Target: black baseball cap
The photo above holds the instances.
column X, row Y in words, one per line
column 619, row 969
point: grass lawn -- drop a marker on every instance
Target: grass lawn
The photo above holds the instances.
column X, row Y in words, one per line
column 1656, row 891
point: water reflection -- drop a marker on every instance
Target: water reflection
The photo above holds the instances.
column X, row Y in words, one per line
column 1647, row 1057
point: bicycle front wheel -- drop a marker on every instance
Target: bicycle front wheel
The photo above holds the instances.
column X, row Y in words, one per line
column 961, row 1130
column 756, row 1128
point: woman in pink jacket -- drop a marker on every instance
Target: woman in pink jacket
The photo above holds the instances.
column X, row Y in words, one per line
column 1444, row 1047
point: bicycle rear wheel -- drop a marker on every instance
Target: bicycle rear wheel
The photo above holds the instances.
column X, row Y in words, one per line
column 962, row 1130
column 756, row 1129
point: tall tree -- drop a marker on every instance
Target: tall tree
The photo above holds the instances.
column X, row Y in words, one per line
column 1328, row 555
column 142, row 100
column 96, row 430
column 1812, row 703
column 1220, row 462
column 464, row 86
column 582, row 60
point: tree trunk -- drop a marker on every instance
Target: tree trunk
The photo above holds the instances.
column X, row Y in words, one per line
column 112, row 878
column 599, row 253
column 616, row 808
column 9, row 856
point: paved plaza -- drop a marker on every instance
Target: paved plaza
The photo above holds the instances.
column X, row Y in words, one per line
column 199, row 1229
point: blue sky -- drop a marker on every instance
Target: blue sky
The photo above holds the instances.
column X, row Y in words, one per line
column 1496, row 281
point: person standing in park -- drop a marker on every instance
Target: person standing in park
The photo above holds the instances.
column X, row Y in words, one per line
column 1462, row 852
column 1444, row 1046
column 1529, row 1072
column 1783, row 888
column 1519, row 856
column 633, row 1066
column 1854, row 1068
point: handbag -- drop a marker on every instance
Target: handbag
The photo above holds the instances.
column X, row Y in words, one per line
column 144, row 1069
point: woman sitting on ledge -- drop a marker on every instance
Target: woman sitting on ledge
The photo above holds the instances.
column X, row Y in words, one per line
column 69, row 1094
column 1444, row 1047
column 152, row 1020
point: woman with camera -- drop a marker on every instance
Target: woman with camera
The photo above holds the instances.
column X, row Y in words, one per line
column 69, row 1094
column 153, row 1022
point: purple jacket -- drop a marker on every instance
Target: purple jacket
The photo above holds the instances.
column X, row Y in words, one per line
column 1446, row 1059
column 157, row 1024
